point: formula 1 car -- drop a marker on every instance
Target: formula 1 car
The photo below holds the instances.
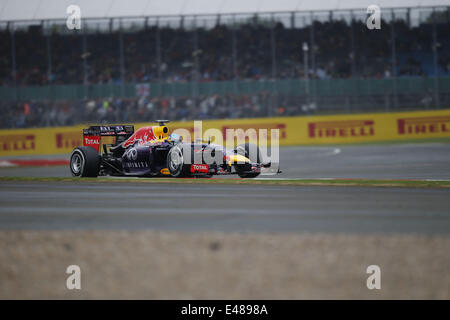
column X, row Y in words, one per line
column 151, row 151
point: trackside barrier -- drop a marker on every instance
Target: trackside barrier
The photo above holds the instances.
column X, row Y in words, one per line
column 304, row 130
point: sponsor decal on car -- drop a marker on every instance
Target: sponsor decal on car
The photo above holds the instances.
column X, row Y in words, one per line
column 92, row 141
column 165, row 171
column 131, row 154
column 423, row 125
column 203, row 168
column 135, row 164
column 142, row 135
column 341, row 129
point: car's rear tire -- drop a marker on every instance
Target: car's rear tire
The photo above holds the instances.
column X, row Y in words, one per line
column 84, row 162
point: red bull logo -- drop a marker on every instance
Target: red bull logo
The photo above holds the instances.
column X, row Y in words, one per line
column 423, row 125
column 341, row 129
column 142, row 135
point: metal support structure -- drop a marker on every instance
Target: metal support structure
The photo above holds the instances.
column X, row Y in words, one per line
column 352, row 41
column 85, row 64
column 196, row 54
column 312, row 51
column 122, row 61
column 435, row 63
column 408, row 17
column 353, row 53
column 234, row 54
column 312, row 44
column 158, row 51
column 13, row 58
column 273, row 50
column 306, row 68
column 218, row 20
column 273, row 47
column 394, row 59
column 49, row 58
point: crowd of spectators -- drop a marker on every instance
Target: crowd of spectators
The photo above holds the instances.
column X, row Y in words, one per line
column 333, row 54
column 29, row 114
column 262, row 51
column 143, row 109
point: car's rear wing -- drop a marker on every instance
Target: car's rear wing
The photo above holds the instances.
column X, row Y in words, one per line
column 92, row 135
column 114, row 130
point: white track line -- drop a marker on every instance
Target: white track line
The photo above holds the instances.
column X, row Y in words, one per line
column 353, row 179
column 327, row 153
column 7, row 164
column 336, row 151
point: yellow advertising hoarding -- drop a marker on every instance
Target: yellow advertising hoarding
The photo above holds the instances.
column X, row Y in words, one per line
column 303, row 130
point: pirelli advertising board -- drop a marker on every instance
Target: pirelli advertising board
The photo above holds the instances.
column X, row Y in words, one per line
column 304, row 130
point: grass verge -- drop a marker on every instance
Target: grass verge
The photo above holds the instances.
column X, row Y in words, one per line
column 294, row 182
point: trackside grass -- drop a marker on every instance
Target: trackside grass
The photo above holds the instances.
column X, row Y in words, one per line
column 261, row 181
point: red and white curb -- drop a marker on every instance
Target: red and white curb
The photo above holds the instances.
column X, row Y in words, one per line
column 33, row 163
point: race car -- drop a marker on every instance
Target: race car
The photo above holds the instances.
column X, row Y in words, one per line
column 151, row 151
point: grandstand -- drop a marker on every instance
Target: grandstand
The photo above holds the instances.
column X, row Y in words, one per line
column 197, row 59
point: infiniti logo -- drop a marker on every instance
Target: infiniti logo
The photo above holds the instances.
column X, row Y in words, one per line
column 131, row 154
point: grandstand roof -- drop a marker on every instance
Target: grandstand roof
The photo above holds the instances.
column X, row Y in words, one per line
column 25, row 10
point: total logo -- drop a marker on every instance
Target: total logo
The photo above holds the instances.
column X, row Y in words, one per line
column 88, row 141
column 92, row 141
column 204, row 168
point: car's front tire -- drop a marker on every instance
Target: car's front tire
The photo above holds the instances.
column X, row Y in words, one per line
column 175, row 162
column 84, row 162
column 252, row 152
column 242, row 174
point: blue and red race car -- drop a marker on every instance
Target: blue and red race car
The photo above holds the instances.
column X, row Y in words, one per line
column 152, row 151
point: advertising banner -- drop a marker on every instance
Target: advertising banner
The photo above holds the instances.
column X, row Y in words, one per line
column 302, row 130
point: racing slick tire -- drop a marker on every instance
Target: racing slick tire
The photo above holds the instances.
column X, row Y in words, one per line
column 84, row 162
column 175, row 163
column 245, row 148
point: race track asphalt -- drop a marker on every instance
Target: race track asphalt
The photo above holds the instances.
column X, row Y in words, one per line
column 228, row 208
column 161, row 206
column 387, row 161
